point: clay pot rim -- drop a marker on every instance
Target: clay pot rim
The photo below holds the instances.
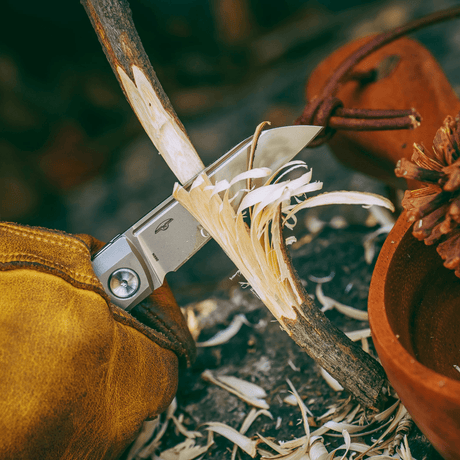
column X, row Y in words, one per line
column 382, row 331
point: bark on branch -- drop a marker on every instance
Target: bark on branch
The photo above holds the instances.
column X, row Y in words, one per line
column 112, row 21
column 354, row 369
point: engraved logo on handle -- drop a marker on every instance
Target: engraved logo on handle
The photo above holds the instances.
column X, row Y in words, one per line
column 163, row 226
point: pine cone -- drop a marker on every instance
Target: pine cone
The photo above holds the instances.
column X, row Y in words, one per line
column 435, row 208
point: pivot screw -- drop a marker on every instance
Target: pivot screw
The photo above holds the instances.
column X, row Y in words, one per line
column 124, row 283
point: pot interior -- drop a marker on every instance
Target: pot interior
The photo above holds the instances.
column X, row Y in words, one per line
column 422, row 300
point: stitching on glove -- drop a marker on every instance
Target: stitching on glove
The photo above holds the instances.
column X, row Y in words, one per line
column 33, row 234
column 24, row 257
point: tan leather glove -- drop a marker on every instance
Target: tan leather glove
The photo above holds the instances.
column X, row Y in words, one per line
column 78, row 375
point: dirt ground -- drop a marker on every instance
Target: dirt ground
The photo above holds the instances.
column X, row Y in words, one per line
column 264, row 354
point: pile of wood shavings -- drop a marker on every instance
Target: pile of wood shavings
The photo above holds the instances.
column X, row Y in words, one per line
column 344, row 419
column 342, row 430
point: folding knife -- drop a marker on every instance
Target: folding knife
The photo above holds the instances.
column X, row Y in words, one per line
column 133, row 264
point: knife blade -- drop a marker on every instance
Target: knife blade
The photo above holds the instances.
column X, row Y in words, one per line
column 133, row 264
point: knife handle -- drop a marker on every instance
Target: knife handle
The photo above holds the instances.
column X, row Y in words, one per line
column 124, row 278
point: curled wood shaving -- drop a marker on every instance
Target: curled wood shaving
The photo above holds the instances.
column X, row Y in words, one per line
column 243, row 442
column 341, row 426
column 291, row 400
column 384, row 415
column 382, row 216
column 328, row 303
column 405, row 450
column 380, row 457
column 226, row 334
column 248, row 421
column 347, row 439
column 249, row 392
column 317, row 449
column 146, row 448
column 183, row 430
column 276, row 447
column 186, row 450
column 365, row 344
column 293, row 366
column 311, row 446
column 324, row 279
column 403, row 429
column 331, row 381
column 361, row 447
column 303, row 408
column 243, row 386
column 399, row 415
column 257, row 248
column 148, row 429
column 369, row 242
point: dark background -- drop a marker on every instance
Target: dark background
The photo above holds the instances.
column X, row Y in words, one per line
column 73, row 155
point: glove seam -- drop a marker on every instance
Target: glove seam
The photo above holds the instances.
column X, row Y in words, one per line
column 25, row 257
column 173, row 339
column 79, row 245
column 156, row 336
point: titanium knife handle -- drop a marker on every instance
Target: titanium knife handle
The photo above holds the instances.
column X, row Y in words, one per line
column 121, row 273
column 132, row 265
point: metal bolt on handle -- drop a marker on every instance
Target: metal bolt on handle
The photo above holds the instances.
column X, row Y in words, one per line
column 124, row 283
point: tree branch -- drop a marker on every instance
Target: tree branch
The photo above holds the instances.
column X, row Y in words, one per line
column 355, row 370
column 112, row 21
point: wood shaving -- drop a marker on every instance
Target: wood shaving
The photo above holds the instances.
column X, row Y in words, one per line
column 256, row 249
column 145, row 448
column 248, row 421
column 369, row 242
column 226, row 334
column 317, row 449
column 324, row 279
column 359, row 334
column 247, row 391
column 331, row 381
column 243, row 442
column 402, row 430
column 405, row 450
column 186, row 450
column 148, row 429
column 183, row 430
column 291, row 400
column 328, row 303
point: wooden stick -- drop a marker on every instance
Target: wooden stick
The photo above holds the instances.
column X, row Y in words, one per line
column 120, row 41
column 357, row 372
column 354, row 369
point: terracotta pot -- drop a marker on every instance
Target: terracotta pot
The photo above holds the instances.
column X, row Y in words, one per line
column 414, row 300
column 414, row 316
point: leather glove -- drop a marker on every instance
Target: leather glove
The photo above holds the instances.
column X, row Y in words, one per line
column 78, row 375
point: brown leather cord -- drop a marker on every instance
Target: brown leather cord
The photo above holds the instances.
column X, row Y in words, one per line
column 328, row 111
